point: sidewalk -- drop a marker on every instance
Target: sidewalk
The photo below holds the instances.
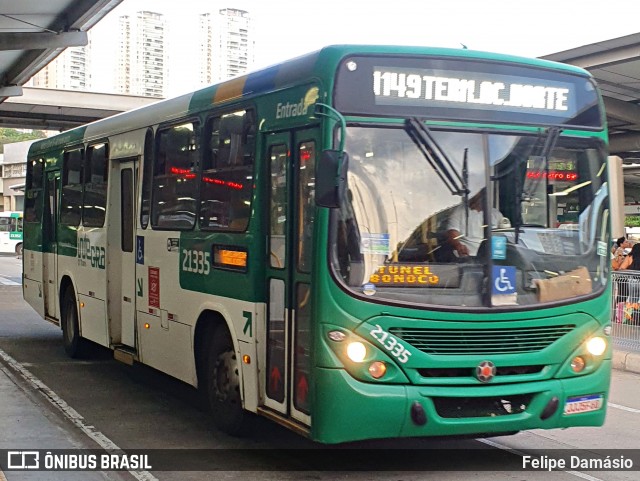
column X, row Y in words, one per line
column 626, row 360
column 27, row 422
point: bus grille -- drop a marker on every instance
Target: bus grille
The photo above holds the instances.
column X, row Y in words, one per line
column 478, row 407
column 482, row 341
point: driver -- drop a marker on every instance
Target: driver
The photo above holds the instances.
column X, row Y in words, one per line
column 466, row 241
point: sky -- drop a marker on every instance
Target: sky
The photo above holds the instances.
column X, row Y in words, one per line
column 288, row 28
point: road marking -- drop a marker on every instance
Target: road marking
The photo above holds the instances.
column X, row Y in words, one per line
column 623, row 408
column 521, row 454
column 7, row 282
column 70, row 413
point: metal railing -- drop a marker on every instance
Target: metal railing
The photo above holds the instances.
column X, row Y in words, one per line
column 625, row 310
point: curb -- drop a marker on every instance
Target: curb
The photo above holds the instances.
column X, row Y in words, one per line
column 626, row 361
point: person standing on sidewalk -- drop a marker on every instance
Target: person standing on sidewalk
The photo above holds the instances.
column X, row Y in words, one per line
column 618, row 252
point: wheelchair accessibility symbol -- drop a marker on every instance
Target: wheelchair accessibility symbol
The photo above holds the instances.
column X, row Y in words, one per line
column 504, row 280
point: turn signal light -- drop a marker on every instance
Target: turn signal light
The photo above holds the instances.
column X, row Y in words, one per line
column 578, row 364
column 377, row 369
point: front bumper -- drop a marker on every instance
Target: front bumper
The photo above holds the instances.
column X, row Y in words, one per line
column 354, row 410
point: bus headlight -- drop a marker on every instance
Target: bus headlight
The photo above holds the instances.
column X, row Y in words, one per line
column 356, row 351
column 596, row 346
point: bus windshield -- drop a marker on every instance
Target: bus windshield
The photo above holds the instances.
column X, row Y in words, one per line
column 471, row 219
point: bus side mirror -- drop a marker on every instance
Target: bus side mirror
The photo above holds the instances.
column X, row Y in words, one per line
column 331, row 178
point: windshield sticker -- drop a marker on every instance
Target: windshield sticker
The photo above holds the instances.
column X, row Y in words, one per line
column 503, row 286
column 375, row 244
column 602, row 249
column 154, row 286
column 504, row 280
column 369, row 289
column 498, row 248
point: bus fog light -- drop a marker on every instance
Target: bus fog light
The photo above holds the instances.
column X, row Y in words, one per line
column 577, row 364
column 596, row 346
column 356, row 351
column 377, row 369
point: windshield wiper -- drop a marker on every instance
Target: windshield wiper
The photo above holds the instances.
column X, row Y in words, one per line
column 437, row 158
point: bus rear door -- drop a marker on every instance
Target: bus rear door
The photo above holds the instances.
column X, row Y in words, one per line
column 121, row 268
column 50, row 246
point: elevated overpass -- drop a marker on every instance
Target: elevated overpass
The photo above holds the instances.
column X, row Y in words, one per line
column 48, row 109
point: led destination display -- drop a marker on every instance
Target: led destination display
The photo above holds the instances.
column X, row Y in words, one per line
column 465, row 89
column 471, row 90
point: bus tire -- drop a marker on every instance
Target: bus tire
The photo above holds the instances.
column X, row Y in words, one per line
column 19, row 249
column 223, row 385
column 73, row 343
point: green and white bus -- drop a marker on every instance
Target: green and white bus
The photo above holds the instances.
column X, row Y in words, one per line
column 284, row 241
column 11, row 232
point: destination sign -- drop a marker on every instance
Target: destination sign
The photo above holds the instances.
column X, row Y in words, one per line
column 466, row 89
column 457, row 89
column 414, row 275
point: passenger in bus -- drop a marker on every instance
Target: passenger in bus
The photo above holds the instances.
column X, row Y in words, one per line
column 462, row 236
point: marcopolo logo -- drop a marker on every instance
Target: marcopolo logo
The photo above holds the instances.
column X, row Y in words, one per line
column 295, row 109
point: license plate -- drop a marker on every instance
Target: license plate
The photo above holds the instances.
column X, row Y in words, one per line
column 583, row 404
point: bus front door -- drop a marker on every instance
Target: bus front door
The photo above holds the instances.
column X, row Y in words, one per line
column 286, row 382
column 50, row 246
column 122, row 259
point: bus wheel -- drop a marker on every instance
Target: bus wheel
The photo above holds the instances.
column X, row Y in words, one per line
column 70, row 326
column 19, row 250
column 223, row 385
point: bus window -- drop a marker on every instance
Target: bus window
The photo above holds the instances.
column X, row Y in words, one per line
column 147, row 173
column 227, row 174
column 278, row 205
column 71, row 205
column 126, row 210
column 174, row 182
column 306, row 205
column 33, row 191
column 96, row 173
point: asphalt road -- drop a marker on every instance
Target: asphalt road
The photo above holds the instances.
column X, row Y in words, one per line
column 87, row 403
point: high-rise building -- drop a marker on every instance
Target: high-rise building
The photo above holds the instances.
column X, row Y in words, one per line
column 142, row 57
column 226, row 44
column 67, row 72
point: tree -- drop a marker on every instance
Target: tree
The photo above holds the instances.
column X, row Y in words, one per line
column 632, row 221
column 10, row 136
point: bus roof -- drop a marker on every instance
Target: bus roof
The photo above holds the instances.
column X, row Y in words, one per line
column 320, row 64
